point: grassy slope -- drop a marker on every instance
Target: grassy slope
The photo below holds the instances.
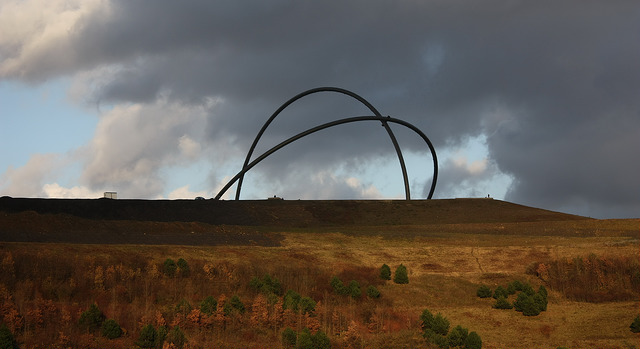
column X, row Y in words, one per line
column 449, row 247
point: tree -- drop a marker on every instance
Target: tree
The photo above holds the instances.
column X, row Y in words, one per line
column 401, row 276
column 440, row 325
column 234, row 305
column 372, row 292
column 502, row 303
column 111, row 329
column 307, row 305
column 92, row 319
column 169, row 267
column 338, row 286
column 289, row 337
column 208, row 305
column 635, row 325
column 484, row 291
column 457, row 336
column 163, row 332
column 354, row 289
column 147, row 337
column 177, row 337
column 427, row 320
column 183, row 268
column 473, row 341
column 385, row 272
column 305, row 340
column 321, row 340
column 500, row 292
column 7, row 341
column 291, row 300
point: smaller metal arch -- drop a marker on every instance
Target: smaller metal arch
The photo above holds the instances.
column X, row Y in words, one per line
column 359, row 98
column 250, row 165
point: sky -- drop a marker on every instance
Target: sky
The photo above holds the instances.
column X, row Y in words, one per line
column 533, row 102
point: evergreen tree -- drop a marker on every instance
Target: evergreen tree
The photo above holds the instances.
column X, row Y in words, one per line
column 427, row 320
column 440, row 325
column 540, row 302
column 401, row 276
column 289, row 337
column 291, row 300
column 147, row 339
column 372, row 292
column 7, row 341
column 208, row 305
column 529, row 307
column 457, row 336
column 338, row 286
column 321, row 340
column 305, row 340
column 237, row 304
column 473, row 341
column 484, row 291
column 169, row 267
column 111, row 329
column 500, row 292
column 92, row 319
column 307, row 305
column 520, row 300
column 502, row 303
column 635, row 325
column 385, row 272
column 177, row 337
column 163, row 332
column 183, row 268
column 354, row 289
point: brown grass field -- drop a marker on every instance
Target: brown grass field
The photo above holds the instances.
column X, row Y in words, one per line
column 450, row 248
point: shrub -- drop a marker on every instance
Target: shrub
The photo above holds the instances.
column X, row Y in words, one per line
column 354, row 289
column 526, row 288
column 92, row 319
column 502, row 303
column 514, row 286
column 385, row 272
column 147, row 337
column 540, row 301
column 635, row 325
column 169, row 267
column 401, row 276
column 437, row 339
column 500, row 292
column 519, row 302
column 289, row 337
column 484, row 291
column 208, row 305
column 372, row 292
column 7, row 341
column 529, row 307
column 111, row 329
column 473, row 341
column 183, row 268
column 457, row 336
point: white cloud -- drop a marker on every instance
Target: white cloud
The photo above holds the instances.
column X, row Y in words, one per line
column 28, row 179
column 55, row 190
column 185, row 193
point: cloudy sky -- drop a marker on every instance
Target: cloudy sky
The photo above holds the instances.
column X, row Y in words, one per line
column 534, row 102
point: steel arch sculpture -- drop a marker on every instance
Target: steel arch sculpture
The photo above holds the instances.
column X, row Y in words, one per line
column 377, row 117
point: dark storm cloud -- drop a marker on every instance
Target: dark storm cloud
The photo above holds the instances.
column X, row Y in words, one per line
column 552, row 85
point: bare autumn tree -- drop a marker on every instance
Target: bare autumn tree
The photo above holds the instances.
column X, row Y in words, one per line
column 259, row 312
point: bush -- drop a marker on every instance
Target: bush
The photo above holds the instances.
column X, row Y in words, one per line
column 502, row 303
column 92, row 319
column 385, row 272
column 635, row 325
column 147, row 337
column 437, row 339
column 183, row 268
column 354, row 289
column 473, row 341
column 111, row 329
column 484, row 291
column 7, row 341
column 401, row 276
column 289, row 337
column 169, row 267
column 372, row 292
column 208, row 305
column 529, row 307
column 514, row 286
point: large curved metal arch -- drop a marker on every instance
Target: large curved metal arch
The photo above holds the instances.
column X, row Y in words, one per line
column 394, row 141
column 253, row 163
